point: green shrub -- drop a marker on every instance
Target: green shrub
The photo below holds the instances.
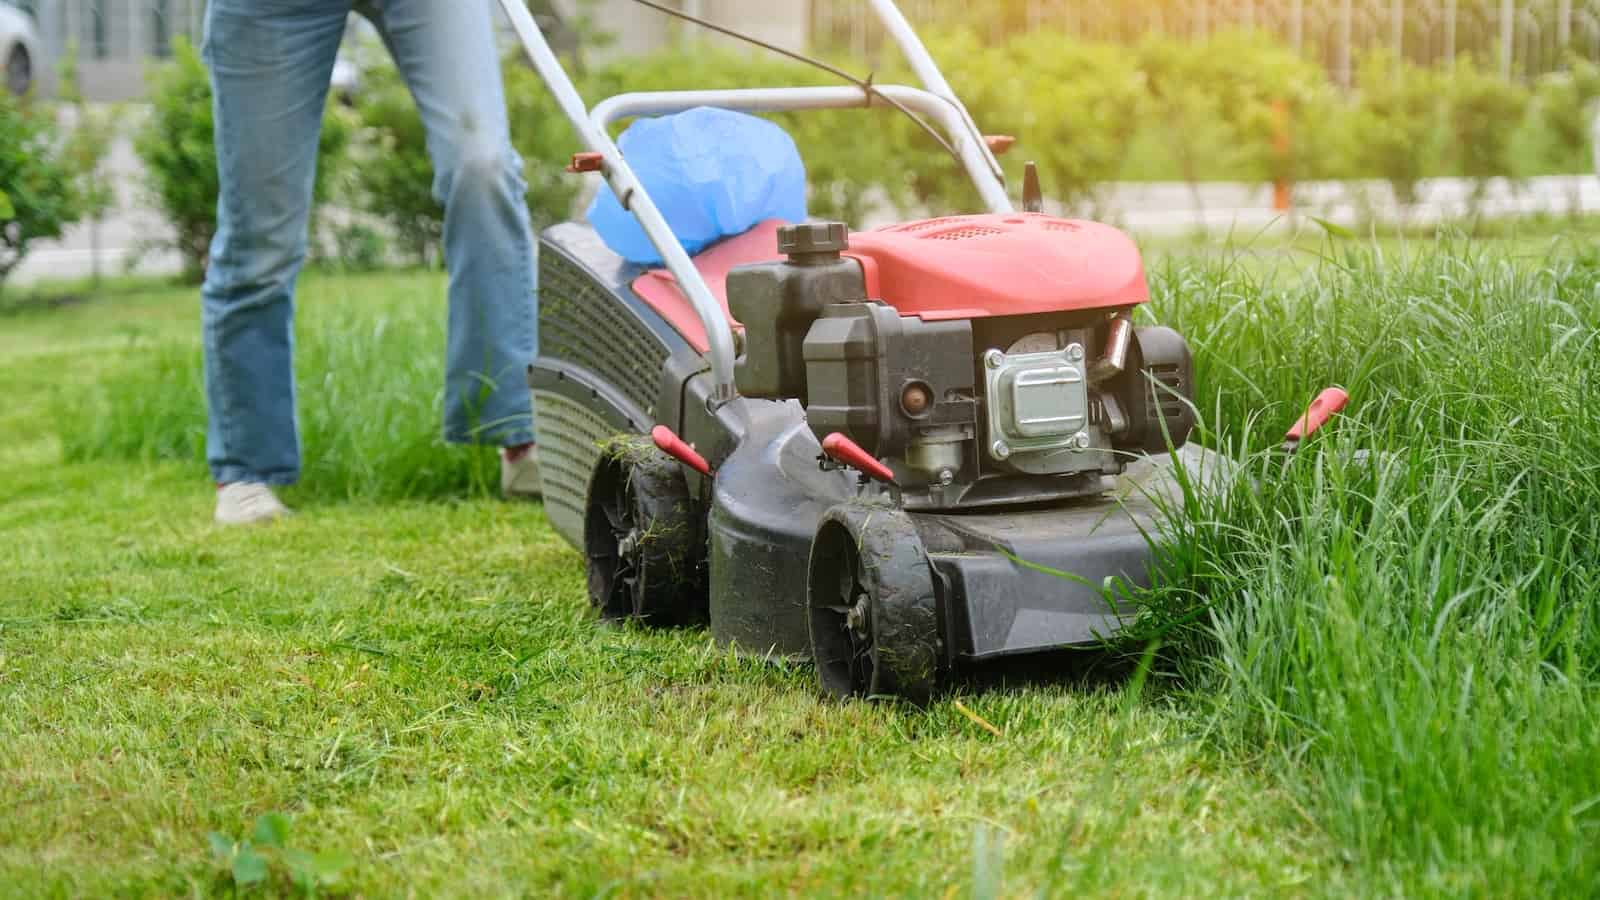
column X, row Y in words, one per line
column 1189, row 117
column 1485, row 113
column 546, row 142
column 1033, row 88
column 1238, row 106
column 177, row 145
column 358, row 247
column 1399, row 123
column 39, row 198
column 392, row 178
column 1564, row 112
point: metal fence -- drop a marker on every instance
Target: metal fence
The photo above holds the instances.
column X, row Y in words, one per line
column 1523, row 38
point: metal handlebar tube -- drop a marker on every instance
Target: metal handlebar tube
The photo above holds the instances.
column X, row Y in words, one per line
column 974, row 152
column 719, row 332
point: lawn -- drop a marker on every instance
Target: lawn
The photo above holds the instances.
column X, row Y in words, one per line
column 1376, row 679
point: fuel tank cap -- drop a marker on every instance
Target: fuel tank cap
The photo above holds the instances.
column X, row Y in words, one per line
column 813, row 239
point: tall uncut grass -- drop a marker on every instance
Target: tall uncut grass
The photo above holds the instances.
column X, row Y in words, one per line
column 370, row 383
column 1413, row 633
column 1412, row 637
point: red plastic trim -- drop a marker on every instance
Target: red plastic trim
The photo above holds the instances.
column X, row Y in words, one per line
column 851, row 454
column 956, row 267
column 660, row 290
column 1323, row 408
column 675, row 447
column 971, row 267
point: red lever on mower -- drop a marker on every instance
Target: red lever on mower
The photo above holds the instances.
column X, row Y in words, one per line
column 1323, row 408
column 848, row 452
column 675, row 447
column 587, row 161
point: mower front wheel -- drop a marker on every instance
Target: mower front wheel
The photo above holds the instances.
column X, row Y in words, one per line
column 643, row 538
column 872, row 612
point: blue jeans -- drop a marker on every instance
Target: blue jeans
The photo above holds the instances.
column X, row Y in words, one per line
column 271, row 62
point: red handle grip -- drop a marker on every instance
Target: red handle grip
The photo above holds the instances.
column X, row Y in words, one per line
column 674, row 446
column 1323, row 408
column 850, row 453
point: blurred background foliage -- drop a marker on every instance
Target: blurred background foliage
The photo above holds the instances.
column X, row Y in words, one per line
column 1239, row 104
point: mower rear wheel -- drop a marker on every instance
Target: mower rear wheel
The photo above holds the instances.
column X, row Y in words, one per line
column 643, row 538
column 871, row 607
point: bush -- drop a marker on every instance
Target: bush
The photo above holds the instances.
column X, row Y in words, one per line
column 1399, row 123
column 1033, row 88
column 39, row 198
column 393, row 181
column 178, row 148
column 1243, row 92
column 1218, row 109
column 1564, row 110
column 1485, row 113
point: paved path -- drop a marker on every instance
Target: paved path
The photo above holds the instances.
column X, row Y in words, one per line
column 1148, row 209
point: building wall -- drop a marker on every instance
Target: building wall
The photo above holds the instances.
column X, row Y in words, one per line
column 115, row 39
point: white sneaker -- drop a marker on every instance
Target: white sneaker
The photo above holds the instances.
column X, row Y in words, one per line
column 520, row 477
column 247, row 502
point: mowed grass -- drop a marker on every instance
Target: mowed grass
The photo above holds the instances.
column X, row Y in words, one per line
column 1378, row 676
column 408, row 670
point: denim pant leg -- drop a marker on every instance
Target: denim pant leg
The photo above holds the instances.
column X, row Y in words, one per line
column 270, row 63
column 447, row 53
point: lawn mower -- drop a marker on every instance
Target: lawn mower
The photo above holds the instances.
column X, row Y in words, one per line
column 893, row 452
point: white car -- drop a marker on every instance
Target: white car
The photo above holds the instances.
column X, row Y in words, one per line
column 19, row 49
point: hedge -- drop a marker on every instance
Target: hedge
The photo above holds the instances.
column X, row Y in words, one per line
column 1237, row 106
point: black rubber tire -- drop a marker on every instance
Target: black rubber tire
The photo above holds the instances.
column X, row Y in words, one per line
column 871, row 608
column 644, row 539
column 19, row 71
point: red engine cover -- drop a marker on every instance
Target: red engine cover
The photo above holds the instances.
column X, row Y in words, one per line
column 968, row 267
column 957, row 267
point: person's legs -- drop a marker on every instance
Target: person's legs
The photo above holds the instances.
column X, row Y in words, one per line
column 447, row 53
column 270, row 63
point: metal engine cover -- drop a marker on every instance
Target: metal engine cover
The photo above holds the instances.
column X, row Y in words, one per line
column 1038, row 408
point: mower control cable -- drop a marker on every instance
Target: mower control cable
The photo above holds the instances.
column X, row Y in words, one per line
column 865, row 84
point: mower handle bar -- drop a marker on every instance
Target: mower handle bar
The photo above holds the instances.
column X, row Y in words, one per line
column 937, row 102
column 973, row 150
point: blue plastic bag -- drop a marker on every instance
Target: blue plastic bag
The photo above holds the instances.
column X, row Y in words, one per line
column 712, row 173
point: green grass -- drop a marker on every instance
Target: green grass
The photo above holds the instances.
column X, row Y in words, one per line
column 370, row 376
column 1417, row 636
column 1377, row 678
column 412, row 676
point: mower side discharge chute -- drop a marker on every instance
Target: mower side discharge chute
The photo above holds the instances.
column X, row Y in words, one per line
column 893, row 452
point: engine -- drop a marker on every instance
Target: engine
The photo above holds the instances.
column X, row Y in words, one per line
column 972, row 402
